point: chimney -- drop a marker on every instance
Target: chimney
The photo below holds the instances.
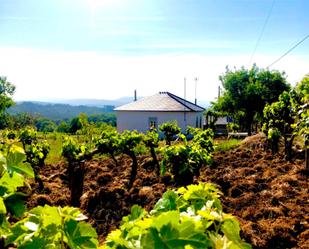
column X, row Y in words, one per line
column 135, row 96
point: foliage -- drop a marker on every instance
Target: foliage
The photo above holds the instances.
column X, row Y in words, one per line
column 204, row 140
column 107, row 118
column 212, row 114
column 108, row 143
column 7, row 89
column 78, row 123
column 170, row 130
column 63, row 112
column 74, row 151
column 9, row 134
column 63, row 127
column 176, row 160
column 190, row 217
column 233, row 127
column 6, row 121
column 127, row 143
column 27, row 136
column 192, row 130
column 13, row 172
column 129, row 140
column 246, row 92
column 151, row 140
column 76, row 154
column 53, row 227
column 280, row 117
column 300, row 103
column 45, row 125
column 22, row 120
column 184, row 160
column 36, row 151
column 273, row 138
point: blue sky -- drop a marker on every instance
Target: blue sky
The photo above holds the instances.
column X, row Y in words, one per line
column 108, row 48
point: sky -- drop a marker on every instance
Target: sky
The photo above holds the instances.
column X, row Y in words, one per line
column 105, row 49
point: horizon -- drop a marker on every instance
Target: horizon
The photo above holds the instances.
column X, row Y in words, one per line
column 103, row 49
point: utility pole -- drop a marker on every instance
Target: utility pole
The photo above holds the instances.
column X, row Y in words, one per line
column 219, row 92
column 185, row 91
column 196, row 79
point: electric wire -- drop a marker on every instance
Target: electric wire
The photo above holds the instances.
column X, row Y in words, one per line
column 262, row 31
column 292, row 48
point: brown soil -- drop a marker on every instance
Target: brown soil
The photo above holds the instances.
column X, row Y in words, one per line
column 268, row 194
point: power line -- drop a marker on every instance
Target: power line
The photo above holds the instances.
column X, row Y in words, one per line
column 292, row 48
column 262, row 31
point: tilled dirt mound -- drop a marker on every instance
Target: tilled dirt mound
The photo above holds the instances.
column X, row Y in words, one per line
column 106, row 197
column 266, row 193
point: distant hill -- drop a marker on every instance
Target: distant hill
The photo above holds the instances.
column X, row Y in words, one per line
column 101, row 102
column 57, row 111
column 93, row 102
column 67, row 109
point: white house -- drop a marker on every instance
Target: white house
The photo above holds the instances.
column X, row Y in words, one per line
column 154, row 110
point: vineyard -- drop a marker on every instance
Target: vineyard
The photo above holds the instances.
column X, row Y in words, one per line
column 267, row 194
column 168, row 188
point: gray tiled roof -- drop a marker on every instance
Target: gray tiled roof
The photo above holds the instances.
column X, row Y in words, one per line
column 163, row 101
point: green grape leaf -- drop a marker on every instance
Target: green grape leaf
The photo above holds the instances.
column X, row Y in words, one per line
column 80, row 235
column 10, row 183
column 137, row 212
column 170, row 217
column 176, row 236
column 15, row 204
column 72, row 212
column 168, row 202
column 231, row 229
column 18, row 233
column 15, row 159
column 2, row 206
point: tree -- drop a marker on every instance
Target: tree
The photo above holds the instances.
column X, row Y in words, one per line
column 246, row 92
column 45, row 125
column 6, row 121
column 63, row 127
column 23, row 119
column 78, row 122
column 7, row 89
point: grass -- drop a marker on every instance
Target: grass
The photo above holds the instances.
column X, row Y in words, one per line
column 55, row 142
column 226, row 145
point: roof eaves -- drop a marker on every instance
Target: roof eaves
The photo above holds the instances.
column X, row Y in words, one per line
column 152, row 110
column 183, row 103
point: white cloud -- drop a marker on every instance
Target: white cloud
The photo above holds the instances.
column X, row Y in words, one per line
column 40, row 74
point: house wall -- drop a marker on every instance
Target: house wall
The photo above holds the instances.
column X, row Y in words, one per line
column 131, row 120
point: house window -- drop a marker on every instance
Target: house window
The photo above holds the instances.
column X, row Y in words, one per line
column 153, row 123
column 196, row 122
column 200, row 122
